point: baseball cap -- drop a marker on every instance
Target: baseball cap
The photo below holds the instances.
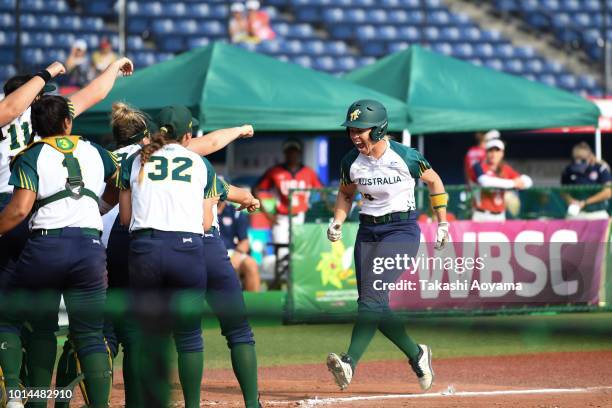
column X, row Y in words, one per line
column 292, row 143
column 495, row 144
column 492, row 134
column 237, row 8
column 17, row 81
column 80, row 44
column 176, row 121
column 252, row 5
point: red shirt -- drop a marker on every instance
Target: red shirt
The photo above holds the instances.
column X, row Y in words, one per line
column 490, row 199
column 280, row 179
column 474, row 155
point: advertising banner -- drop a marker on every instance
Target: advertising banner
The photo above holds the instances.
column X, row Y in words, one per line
column 486, row 265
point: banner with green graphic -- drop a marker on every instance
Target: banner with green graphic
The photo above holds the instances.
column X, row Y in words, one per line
column 323, row 282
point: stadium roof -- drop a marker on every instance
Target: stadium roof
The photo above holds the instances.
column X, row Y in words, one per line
column 226, row 86
column 448, row 95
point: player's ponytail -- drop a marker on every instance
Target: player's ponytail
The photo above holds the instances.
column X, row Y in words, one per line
column 126, row 122
column 158, row 140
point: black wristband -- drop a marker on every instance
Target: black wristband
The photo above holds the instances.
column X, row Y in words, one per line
column 44, row 74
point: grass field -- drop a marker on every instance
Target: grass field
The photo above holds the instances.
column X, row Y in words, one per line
column 279, row 345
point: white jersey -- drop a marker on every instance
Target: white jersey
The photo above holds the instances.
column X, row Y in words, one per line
column 41, row 168
column 14, row 137
column 386, row 184
column 171, row 194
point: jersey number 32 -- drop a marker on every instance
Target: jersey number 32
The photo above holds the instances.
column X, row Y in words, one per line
column 181, row 168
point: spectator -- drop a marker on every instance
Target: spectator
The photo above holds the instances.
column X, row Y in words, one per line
column 233, row 228
column 238, row 26
column 587, row 170
column 280, row 178
column 477, row 153
column 103, row 57
column 495, row 176
column 78, row 65
column 258, row 23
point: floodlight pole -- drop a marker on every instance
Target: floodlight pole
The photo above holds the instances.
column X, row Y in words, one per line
column 122, row 10
column 406, row 138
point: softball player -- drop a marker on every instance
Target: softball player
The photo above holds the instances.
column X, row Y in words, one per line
column 385, row 173
column 56, row 178
column 163, row 189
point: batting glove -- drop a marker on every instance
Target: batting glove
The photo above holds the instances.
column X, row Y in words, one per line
column 441, row 235
column 334, row 231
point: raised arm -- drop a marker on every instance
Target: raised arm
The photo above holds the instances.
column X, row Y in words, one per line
column 243, row 197
column 218, row 139
column 99, row 88
column 18, row 101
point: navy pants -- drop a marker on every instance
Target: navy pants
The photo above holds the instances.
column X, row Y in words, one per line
column 11, row 244
column 376, row 242
column 168, row 278
column 73, row 264
column 224, row 292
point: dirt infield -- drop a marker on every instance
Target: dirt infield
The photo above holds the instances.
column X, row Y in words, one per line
column 581, row 379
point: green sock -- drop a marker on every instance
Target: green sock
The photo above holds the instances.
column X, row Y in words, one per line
column 10, row 359
column 244, row 363
column 131, row 380
column 363, row 332
column 153, row 362
column 98, row 378
column 393, row 329
column 191, row 367
column 40, row 359
column 66, row 371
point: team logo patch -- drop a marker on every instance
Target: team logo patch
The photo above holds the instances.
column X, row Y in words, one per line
column 64, row 143
column 185, row 240
column 355, row 114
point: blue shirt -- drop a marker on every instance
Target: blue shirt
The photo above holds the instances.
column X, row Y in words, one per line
column 587, row 174
column 233, row 226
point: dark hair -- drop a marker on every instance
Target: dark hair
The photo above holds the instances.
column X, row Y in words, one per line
column 158, row 140
column 49, row 114
column 15, row 82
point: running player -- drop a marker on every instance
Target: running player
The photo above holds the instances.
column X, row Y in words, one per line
column 57, row 178
column 164, row 187
column 385, row 173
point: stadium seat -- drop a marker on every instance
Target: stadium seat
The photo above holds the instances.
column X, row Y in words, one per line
column 387, row 33
column 302, row 60
column 463, row 51
column 534, row 66
column 485, row 50
column 366, row 32
column 337, row 48
column 7, row 5
column 196, row 42
column 450, row 34
column 315, row 48
column 443, row 48
column 153, row 9
column 373, row 49
column 175, row 10
column 409, row 34
column 514, row 66
column 325, row 63
column 199, row 10
column 494, row 63
column 568, row 81
column 548, row 79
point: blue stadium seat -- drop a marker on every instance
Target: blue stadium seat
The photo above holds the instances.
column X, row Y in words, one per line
column 571, row 5
column 431, row 34
column 524, row 52
column 7, row 71
column 7, row 38
column 325, row 64
column 409, row 34
column 504, row 50
column 133, row 8
column 587, row 81
column 175, row 10
column 197, row 42
column 548, row 79
column 142, row 58
column 494, row 63
column 443, row 48
column 134, row 42
column 460, row 19
column 507, row 5
column 221, row 11
column 561, row 20
column 539, row 20
column 365, row 61
column 34, row 55
column 433, row 4
column 199, row 10
column 416, row 17
column 213, row 28
column 7, row 56
column 309, row 14
column 337, row 48
column 345, row 64
column 441, row 18
column 302, row 60
column 534, row 66
column 292, row 47
column 568, row 81
column 491, row 36
column 366, row 32
column 551, row 5
column 137, row 25
column 398, row 46
column 484, row 50
column 272, row 47
column 356, row 16
column 514, row 66
column 363, row 3
column 300, row 31
column 378, row 16
column 333, row 15
column 463, row 51
column 7, row 5
column 55, row 54
column 153, row 9
column 450, row 34
column 105, row 8
column 342, row 32
column 373, row 49
column 314, row 48
column 582, row 20
column 476, row 61
column 398, row 17
column 65, row 40
column 388, row 33
column 530, row 5
column 163, row 26
column 171, row 43
column 471, row 34
column 43, row 39
column 190, row 27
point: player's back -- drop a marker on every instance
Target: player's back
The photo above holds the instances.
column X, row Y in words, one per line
column 169, row 196
column 14, row 137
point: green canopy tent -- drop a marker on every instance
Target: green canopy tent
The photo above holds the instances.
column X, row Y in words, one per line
column 448, row 95
column 226, row 86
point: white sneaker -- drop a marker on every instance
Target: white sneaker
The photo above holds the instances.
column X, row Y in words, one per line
column 422, row 367
column 341, row 368
column 14, row 403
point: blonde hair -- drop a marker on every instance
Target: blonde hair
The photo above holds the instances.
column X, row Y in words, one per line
column 583, row 151
column 126, row 122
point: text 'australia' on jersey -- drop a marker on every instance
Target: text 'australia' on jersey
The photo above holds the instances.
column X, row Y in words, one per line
column 14, row 137
column 386, row 184
column 171, row 193
column 42, row 169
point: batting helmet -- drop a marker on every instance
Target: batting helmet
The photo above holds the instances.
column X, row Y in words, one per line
column 366, row 114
